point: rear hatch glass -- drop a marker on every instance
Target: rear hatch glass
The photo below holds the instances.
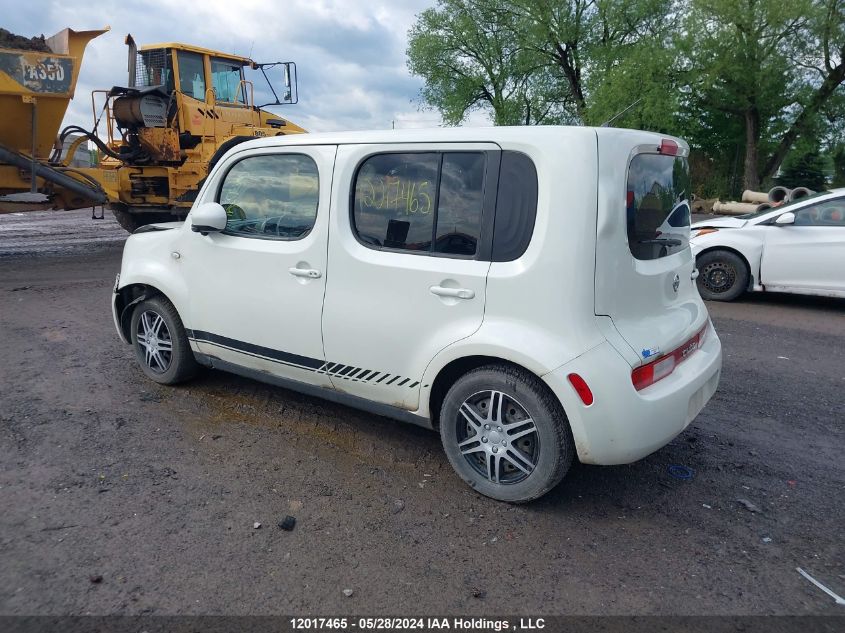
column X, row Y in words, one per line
column 658, row 212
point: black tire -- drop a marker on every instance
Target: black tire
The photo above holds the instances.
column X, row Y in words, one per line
column 131, row 222
column 128, row 221
column 166, row 368
column 722, row 276
column 544, row 453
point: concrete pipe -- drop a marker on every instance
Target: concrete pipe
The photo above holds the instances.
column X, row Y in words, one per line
column 778, row 194
column 765, row 206
column 734, row 208
column 757, row 197
column 800, row 192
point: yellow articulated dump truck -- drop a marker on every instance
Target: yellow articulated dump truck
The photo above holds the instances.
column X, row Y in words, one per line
column 156, row 138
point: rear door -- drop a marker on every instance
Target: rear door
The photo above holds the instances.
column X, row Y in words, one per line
column 808, row 256
column 409, row 274
column 644, row 265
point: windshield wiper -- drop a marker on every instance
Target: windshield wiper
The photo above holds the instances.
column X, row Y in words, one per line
column 668, row 241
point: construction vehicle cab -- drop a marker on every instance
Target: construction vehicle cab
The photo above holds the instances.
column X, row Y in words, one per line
column 157, row 136
column 183, row 108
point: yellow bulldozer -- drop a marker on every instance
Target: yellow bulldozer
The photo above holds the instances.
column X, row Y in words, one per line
column 155, row 139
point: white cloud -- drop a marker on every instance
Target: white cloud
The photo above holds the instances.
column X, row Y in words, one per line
column 350, row 55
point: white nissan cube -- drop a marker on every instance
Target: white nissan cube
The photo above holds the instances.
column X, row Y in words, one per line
column 528, row 292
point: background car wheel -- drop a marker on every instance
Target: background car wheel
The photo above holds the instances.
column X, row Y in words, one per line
column 722, row 276
column 505, row 434
column 160, row 342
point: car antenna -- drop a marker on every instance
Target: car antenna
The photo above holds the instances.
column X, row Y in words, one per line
column 616, row 116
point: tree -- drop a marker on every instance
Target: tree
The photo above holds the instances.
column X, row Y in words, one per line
column 769, row 65
column 593, row 42
column 826, row 34
column 736, row 55
column 534, row 61
column 803, row 170
column 470, row 58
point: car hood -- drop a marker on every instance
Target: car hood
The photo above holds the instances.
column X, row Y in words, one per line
column 720, row 223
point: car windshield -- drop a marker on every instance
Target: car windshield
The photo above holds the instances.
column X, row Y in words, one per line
column 757, row 214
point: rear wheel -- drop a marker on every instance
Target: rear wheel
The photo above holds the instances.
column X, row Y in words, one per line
column 505, row 434
column 722, row 276
column 161, row 343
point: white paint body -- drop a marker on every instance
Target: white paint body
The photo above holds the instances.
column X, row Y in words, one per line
column 808, row 260
column 575, row 301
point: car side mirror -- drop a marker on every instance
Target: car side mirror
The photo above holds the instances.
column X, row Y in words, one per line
column 209, row 217
column 786, row 219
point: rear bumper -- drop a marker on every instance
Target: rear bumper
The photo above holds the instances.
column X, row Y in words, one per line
column 623, row 424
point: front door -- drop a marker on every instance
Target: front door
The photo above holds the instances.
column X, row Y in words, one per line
column 408, row 272
column 808, row 256
column 256, row 289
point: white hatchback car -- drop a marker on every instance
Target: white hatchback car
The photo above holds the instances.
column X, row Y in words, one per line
column 798, row 248
column 506, row 286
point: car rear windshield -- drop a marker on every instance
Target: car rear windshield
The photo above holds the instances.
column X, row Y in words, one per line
column 657, row 205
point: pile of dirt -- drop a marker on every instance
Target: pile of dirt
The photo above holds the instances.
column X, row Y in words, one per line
column 10, row 40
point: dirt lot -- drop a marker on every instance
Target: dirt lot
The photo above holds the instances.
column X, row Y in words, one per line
column 122, row 497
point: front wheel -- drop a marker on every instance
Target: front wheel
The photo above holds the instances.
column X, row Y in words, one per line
column 161, row 343
column 505, row 434
column 722, row 276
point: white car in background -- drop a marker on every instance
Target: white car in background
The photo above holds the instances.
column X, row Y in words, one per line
column 797, row 248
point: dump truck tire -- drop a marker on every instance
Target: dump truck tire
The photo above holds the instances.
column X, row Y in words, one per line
column 131, row 222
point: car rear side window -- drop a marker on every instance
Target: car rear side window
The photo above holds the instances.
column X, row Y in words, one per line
column 657, row 205
column 272, row 196
column 425, row 202
column 516, row 206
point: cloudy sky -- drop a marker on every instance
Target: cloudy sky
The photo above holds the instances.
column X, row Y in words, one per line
column 350, row 54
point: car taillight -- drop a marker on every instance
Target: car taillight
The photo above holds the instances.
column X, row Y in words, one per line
column 659, row 368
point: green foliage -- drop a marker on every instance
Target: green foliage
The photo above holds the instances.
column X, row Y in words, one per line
column 804, row 170
column 744, row 81
column 470, row 59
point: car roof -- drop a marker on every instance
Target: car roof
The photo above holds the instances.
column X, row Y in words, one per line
column 509, row 134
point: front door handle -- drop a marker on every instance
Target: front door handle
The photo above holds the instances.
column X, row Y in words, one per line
column 310, row 273
column 457, row 293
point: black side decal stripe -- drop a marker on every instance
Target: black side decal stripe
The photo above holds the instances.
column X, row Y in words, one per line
column 258, row 350
column 336, row 370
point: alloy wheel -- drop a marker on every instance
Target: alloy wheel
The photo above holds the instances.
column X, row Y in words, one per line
column 497, row 437
column 155, row 341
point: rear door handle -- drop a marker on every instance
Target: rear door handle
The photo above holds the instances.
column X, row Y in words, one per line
column 694, row 274
column 310, row 273
column 457, row 293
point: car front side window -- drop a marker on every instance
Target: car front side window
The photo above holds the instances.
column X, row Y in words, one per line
column 827, row 213
column 273, row 196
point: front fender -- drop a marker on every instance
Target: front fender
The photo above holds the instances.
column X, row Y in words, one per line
column 148, row 260
column 748, row 246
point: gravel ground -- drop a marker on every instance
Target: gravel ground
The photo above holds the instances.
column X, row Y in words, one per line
column 123, row 497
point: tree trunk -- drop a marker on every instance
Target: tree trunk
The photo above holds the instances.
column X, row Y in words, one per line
column 566, row 60
column 752, row 138
column 833, row 80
